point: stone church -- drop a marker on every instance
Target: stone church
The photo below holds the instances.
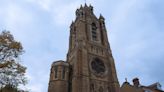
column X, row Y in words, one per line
column 90, row 65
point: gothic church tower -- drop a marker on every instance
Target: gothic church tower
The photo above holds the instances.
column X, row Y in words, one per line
column 90, row 65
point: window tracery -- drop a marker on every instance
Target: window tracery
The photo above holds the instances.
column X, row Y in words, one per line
column 94, row 32
column 98, row 66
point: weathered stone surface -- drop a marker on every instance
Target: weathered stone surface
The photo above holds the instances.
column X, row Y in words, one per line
column 89, row 66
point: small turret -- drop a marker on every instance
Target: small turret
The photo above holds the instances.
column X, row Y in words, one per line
column 101, row 18
column 81, row 7
column 102, row 21
column 91, row 7
column 59, row 77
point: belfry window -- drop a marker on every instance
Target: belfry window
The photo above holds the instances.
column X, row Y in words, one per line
column 56, row 71
column 94, row 32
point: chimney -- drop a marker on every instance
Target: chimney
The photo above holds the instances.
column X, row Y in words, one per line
column 136, row 82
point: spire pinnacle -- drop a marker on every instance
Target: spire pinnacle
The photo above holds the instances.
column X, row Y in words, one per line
column 81, row 6
column 85, row 5
column 101, row 17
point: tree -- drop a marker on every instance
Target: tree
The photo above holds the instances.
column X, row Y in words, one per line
column 12, row 73
column 9, row 88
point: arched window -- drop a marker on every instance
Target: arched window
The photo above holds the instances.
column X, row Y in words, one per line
column 56, row 71
column 63, row 73
column 94, row 32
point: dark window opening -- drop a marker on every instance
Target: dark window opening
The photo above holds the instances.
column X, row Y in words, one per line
column 63, row 73
column 100, row 89
column 92, row 87
column 94, row 32
column 70, row 78
column 56, row 71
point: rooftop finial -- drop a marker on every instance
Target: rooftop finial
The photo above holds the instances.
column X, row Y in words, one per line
column 85, row 5
column 81, row 6
column 126, row 80
column 101, row 17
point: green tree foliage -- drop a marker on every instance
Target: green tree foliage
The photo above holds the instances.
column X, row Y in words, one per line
column 11, row 71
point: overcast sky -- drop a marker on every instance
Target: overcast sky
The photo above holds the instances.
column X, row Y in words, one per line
column 135, row 32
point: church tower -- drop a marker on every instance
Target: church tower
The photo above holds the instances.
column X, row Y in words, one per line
column 90, row 58
column 90, row 61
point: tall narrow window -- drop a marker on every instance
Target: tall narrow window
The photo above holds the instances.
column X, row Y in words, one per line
column 63, row 73
column 92, row 87
column 94, row 32
column 56, row 71
column 108, row 89
column 70, row 78
column 100, row 89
